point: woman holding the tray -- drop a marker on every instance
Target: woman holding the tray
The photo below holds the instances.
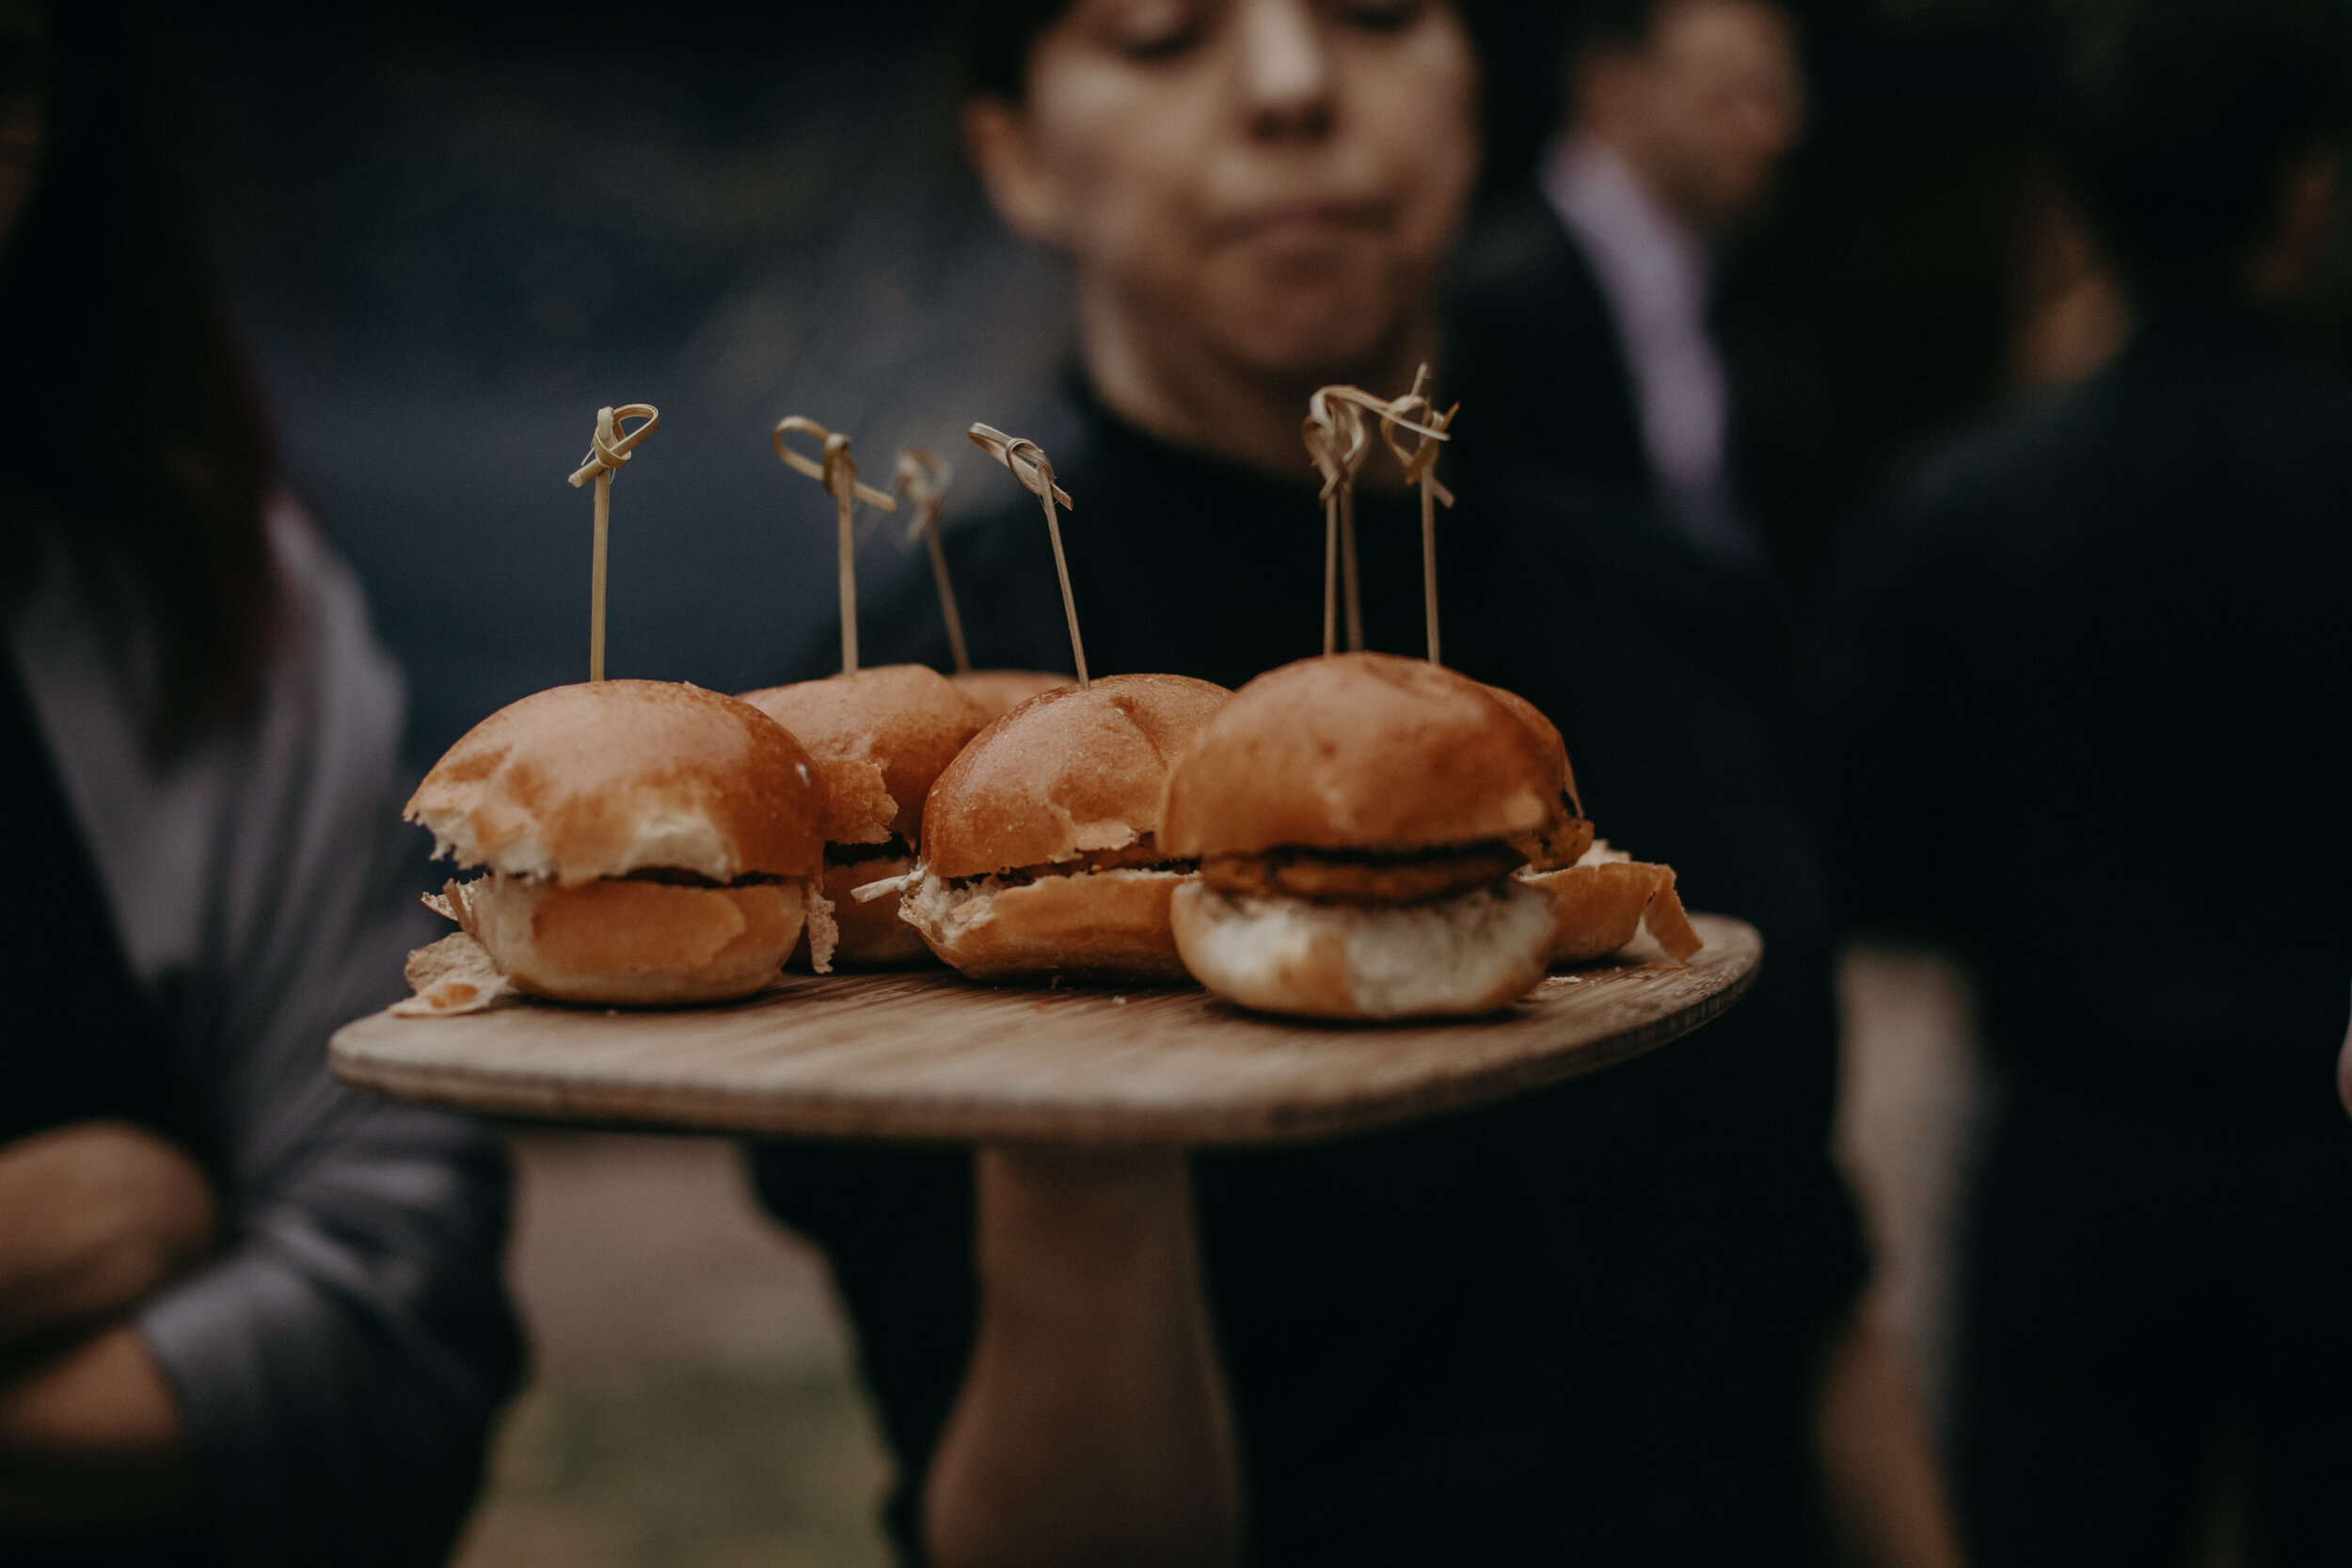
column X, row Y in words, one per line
column 245, row 1317
column 1607, row 1322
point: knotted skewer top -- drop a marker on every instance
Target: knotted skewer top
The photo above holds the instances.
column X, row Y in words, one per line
column 1028, row 464
column 1418, row 463
column 1337, row 438
column 609, row 450
column 1035, row 470
column 833, row 467
column 923, row 479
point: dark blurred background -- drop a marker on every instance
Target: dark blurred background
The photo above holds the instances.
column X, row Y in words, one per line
column 454, row 232
column 454, row 235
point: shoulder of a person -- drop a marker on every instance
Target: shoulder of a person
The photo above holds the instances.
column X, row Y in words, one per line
column 328, row 647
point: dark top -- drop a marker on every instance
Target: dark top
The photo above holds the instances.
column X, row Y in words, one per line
column 1531, row 347
column 2085, row 707
column 65, row 968
column 1578, row 1323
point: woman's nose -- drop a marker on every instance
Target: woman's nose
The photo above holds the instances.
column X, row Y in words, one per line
column 1285, row 69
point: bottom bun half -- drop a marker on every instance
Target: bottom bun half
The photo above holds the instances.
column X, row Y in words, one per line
column 1441, row 958
column 1101, row 926
column 629, row 942
column 1603, row 905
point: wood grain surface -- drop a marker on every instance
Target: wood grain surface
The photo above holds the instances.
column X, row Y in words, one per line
column 930, row 1056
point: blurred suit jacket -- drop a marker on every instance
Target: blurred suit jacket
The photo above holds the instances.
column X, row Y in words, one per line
column 1533, row 351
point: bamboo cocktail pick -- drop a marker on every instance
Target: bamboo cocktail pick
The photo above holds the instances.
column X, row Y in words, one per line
column 837, row 471
column 924, row 480
column 608, row 452
column 1030, row 466
column 1338, row 443
column 1419, row 468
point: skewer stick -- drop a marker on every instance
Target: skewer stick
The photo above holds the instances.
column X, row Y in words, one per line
column 1030, row 466
column 1347, row 567
column 1337, row 443
column 1338, row 440
column 1420, row 469
column 837, row 471
column 924, row 480
column 608, row 454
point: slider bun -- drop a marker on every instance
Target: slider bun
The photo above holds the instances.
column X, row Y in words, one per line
column 1102, row 925
column 1603, row 904
column 1440, row 958
column 879, row 738
column 632, row 943
column 1002, row 691
column 604, row 779
column 1067, row 772
column 1359, row 751
column 1546, row 734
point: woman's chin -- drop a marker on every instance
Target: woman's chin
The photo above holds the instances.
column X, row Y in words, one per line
column 1346, row 336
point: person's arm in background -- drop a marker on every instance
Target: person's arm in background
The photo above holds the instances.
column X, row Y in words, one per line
column 336, row 1365
column 99, row 1216
column 2343, row 1072
column 1093, row 1425
column 1888, row 1503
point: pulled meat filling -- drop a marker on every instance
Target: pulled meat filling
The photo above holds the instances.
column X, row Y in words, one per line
column 1142, row 855
column 892, row 848
column 1564, row 843
column 1364, row 876
column 676, row 878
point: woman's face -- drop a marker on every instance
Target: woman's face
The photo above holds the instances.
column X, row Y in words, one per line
column 1277, row 182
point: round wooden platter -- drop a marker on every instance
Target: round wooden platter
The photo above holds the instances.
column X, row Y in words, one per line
column 927, row 1055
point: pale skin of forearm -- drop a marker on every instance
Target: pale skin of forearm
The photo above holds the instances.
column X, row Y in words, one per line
column 93, row 1219
column 1093, row 1427
column 1886, row 1486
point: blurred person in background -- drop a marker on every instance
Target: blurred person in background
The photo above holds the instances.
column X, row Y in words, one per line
column 1580, row 323
column 245, row 1317
column 1610, row 1322
column 2084, row 695
column 1923, row 264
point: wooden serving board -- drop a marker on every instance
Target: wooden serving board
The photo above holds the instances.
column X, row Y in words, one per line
column 927, row 1055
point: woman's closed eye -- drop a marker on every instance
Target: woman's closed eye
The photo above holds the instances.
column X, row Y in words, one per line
column 1153, row 30
column 1378, row 16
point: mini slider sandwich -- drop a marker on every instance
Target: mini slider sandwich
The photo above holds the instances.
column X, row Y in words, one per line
column 646, row 843
column 1358, row 819
column 880, row 738
column 1040, row 854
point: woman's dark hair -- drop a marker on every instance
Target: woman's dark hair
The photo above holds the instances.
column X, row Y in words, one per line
column 1516, row 42
column 139, row 442
column 2189, row 114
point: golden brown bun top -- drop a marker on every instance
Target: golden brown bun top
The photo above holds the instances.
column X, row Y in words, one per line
column 1064, row 773
column 600, row 779
column 1359, row 751
column 1002, row 691
column 897, row 724
column 1546, row 734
